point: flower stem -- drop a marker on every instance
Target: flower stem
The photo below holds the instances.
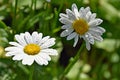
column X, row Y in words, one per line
column 72, row 62
column 14, row 17
column 16, row 3
column 32, row 2
column 31, row 72
column 35, row 5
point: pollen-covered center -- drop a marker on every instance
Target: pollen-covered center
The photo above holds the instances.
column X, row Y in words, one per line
column 80, row 26
column 32, row 49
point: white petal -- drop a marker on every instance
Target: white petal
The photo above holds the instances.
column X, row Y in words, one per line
column 75, row 41
column 28, row 38
column 45, row 56
column 65, row 20
column 63, row 15
column 89, row 38
column 93, row 31
column 44, row 40
column 98, row 38
column 71, row 36
column 66, row 32
column 87, row 43
column 28, row 60
column 14, row 52
column 10, row 53
column 49, row 51
column 39, row 60
column 50, row 42
column 75, row 10
column 83, row 12
column 97, row 30
column 45, row 62
column 92, row 17
column 20, row 39
column 88, row 16
column 74, row 6
column 15, row 44
column 13, row 49
column 66, row 26
column 22, row 35
column 88, row 46
column 101, row 29
column 87, row 9
column 95, row 22
column 70, row 14
column 19, row 57
column 36, row 37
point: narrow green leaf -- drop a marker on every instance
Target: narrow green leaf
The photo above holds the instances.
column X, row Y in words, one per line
column 2, row 24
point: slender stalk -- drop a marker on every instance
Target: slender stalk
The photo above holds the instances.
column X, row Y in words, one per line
column 14, row 17
column 35, row 5
column 56, row 16
column 72, row 62
column 16, row 2
column 31, row 72
column 32, row 2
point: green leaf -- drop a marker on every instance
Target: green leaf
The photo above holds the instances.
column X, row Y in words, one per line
column 3, row 37
column 2, row 24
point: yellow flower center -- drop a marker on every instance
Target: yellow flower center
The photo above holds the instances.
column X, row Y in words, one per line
column 32, row 49
column 80, row 26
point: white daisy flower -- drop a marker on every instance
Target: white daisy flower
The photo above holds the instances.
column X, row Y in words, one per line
column 30, row 48
column 81, row 23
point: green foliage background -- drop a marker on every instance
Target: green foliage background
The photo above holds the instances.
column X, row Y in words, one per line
column 101, row 63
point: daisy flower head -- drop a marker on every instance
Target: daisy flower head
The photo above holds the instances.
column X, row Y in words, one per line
column 81, row 24
column 30, row 48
